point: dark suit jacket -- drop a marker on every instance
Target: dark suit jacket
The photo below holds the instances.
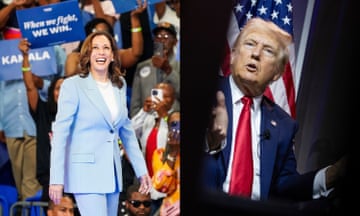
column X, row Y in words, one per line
column 278, row 174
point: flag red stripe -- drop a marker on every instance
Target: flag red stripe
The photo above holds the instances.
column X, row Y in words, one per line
column 290, row 89
column 269, row 94
column 225, row 67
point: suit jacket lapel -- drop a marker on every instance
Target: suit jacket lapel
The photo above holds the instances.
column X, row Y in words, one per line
column 120, row 102
column 229, row 104
column 268, row 145
column 92, row 92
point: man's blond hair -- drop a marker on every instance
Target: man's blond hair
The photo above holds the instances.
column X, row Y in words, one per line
column 283, row 37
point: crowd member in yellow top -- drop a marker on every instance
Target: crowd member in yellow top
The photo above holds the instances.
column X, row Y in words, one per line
column 166, row 166
column 151, row 128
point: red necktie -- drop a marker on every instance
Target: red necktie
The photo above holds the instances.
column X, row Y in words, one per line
column 151, row 145
column 242, row 165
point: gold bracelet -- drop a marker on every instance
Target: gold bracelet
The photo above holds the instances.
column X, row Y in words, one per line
column 25, row 69
column 137, row 29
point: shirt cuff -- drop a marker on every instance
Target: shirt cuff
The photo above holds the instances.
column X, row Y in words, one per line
column 319, row 186
column 215, row 151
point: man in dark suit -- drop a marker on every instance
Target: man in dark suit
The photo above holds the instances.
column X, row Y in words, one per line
column 258, row 58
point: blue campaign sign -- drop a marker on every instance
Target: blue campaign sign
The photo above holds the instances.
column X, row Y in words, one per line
column 42, row 60
column 52, row 24
column 122, row 6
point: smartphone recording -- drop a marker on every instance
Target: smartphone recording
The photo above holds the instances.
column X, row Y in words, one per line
column 156, row 93
column 158, row 49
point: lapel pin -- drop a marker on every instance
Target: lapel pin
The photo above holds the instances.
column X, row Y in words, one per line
column 273, row 123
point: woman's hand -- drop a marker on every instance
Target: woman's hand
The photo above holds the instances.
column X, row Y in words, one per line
column 56, row 193
column 24, row 46
column 148, row 104
column 141, row 7
column 145, row 184
column 218, row 124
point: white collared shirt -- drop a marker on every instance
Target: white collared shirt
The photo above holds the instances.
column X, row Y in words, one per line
column 255, row 137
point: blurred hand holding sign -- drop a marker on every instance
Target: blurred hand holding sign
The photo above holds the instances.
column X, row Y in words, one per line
column 43, row 60
column 53, row 24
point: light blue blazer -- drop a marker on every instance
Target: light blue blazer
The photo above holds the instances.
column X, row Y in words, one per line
column 84, row 148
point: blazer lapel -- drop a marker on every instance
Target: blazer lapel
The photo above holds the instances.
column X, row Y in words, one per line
column 268, row 145
column 92, row 92
column 120, row 102
column 228, row 100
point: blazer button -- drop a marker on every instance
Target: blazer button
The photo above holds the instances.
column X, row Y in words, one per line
column 111, row 131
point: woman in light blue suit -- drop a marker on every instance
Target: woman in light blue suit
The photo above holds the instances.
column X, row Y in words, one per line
column 92, row 116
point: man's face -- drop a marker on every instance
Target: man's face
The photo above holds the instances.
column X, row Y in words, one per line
column 254, row 60
column 65, row 208
column 167, row 39
column 138, row 209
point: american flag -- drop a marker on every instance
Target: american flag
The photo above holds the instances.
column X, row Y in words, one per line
column 280, row 12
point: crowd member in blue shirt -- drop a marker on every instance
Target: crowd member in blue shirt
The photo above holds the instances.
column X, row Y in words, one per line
column 17, row 127
column 17, row 130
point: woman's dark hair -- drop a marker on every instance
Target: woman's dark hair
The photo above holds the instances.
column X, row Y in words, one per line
column 52, row 105
column 115, row 72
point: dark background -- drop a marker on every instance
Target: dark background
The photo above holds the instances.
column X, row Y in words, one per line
column 326, row 104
